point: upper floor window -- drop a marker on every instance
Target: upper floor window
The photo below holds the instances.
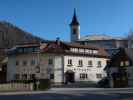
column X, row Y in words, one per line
column 17, row 63
column 89, row 63
column 35, row 49
column 50, row 61
column 95, row 51
column 80, row 63
column 20, row 50
column 32, row 62
column 51, row 76
column 99, row 64
column 69, row 61
column 121, row 63
column 29, row 50
column 127, row 63
column 37, row 69
column 24, row 63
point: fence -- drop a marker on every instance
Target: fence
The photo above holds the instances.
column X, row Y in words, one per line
column 16, row 87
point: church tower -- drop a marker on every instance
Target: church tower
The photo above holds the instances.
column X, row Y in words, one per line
column 75, row 28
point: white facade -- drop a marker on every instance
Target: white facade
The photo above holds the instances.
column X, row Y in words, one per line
column 91, row 71
column 60, row 66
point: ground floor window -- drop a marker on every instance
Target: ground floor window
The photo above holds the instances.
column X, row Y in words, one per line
column 98, row 75
column 83, row 76
column 17, row 76
column 24, row 76
column 32, row 76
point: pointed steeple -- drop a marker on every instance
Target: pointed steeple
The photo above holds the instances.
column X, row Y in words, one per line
column 74, row 19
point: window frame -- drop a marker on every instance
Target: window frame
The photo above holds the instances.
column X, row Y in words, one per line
column 99, row 64
column 69, row 62
column 80, row 63
column 90, row 63
column 99, row 76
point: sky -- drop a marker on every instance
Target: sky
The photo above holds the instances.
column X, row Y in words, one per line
column 50, row 19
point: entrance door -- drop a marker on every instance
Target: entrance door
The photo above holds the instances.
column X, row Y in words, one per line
column 69, row 76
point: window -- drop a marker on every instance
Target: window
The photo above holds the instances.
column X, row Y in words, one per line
column 50, row 61
column 32, row 76
column 17, row 63
column 121, row 63
column 32, row 62
column 37, row 69
column 127, row 63
column 16, row 76
column 24, row 63
column 83, row 76
column 51, row 76
column 20, row 50
column 95, row 51
column 35, row 49
column 25, row 50
column 24, row 76
column 99, row 64
column 128, row 75
column 29, row 49
column 80, row 63
column 99, row 75
column 89, row 63
column 69, row 62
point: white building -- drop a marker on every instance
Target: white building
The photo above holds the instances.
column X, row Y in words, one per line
column 61, row 62
column 74, row 62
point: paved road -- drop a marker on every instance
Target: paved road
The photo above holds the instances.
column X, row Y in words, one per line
column 71, row 94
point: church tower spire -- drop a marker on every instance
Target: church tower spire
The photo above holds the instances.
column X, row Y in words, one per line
column 75, row 28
